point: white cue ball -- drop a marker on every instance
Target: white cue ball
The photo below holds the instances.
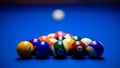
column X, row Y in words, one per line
column 58, row 14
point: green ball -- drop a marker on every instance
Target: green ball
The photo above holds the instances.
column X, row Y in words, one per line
column 76, row 38
column 59, row 49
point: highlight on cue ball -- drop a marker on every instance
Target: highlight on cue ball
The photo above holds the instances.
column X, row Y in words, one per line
column 58, row 14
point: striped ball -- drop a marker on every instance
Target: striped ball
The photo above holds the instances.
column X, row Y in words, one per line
column 68, row 42
column 86, row 41
column 59, row 49
column 68, row 35
column 51, row 35
column 52, row 41
column 95, row 49
column 76, row 38
column 78, row 49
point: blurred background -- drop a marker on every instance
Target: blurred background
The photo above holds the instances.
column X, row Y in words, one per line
column 59, row 1
column 25, row 19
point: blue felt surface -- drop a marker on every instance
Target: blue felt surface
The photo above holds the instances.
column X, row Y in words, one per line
column 18, row 23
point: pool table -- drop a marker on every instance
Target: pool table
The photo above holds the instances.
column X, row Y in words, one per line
column 23, row 22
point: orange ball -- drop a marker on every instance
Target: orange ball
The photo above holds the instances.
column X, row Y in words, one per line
column 25, row 49
column 52, row 41
column 44, row 38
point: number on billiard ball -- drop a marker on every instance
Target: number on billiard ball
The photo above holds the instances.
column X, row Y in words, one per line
column 78, row 49
column 59, row 49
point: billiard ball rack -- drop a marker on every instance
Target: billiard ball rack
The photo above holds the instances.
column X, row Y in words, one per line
column 59, row 45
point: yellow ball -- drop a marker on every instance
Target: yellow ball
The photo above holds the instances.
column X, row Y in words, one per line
column 68, row 42
column 25, row 49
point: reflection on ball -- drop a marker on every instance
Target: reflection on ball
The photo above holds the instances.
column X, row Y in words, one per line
column 44, row 38
column 95, row 49
column 42, row 49
column 68, row 42
column 59, row 49
column 68, row 35
column 78, row 49
column 51, row 35
column 25, row 49
column 76, row 38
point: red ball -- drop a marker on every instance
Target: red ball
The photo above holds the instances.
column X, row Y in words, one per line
column 78, row 49
column 59, row 33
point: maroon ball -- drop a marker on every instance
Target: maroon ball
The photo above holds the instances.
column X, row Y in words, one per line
column 78, row 49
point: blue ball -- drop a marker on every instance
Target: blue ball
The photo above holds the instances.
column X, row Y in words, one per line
column 42, row 49
column 95, row 49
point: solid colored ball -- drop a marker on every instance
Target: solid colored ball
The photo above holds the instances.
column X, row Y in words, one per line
column 44, row 38
column 76, row 38
column 42, row 49
column 95, row 49
column 59, row 49
column 86, row 41
column 59, row 33
column 25, row 49
column 51, row 35
column 34, row 42
column 78, row 49
column 68, row 35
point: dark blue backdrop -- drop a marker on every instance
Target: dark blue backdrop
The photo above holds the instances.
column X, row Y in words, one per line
column 23, row 22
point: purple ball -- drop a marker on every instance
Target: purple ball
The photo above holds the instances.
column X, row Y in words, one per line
column 34, row 41
column 95, row 49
